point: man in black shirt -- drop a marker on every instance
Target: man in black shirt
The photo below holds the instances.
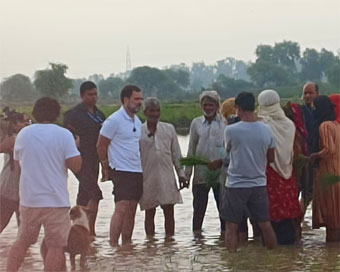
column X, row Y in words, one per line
column 85, row 121
column 309, row 93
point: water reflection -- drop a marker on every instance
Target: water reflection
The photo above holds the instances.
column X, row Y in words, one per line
column 185, row 252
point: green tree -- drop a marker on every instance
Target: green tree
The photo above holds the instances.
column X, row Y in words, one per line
column 75, row 90
column 333, row 74
column 232, row 68
column 53, row 82
column 96, row 78
column 154, row 82
column 266, row 53
column 264, row 73
column 287, row 53
column 275, row 65
column 17, row 88
column 311, row 65
column 229, row 87
column 111, row 87
column 202, row 76
column 180, row 77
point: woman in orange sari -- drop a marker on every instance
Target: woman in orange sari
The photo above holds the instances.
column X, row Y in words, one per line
column 326, row 201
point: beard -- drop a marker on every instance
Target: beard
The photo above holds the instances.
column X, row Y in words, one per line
column 210, row 114
column 135, row 109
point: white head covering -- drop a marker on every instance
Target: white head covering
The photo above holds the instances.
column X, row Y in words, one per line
column 268, row 97
column 283, row 128
column 210, row 93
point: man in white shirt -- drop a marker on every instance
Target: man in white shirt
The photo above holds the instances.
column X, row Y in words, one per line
column 119, row 153
column 206, row 141
column 44, row 151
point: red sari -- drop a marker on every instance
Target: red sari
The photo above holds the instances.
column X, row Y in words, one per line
column 283, row 196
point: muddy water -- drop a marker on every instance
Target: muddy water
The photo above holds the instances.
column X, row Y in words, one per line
column 185, row 252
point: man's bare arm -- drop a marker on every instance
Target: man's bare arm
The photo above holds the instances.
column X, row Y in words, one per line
column 74, row 164
column 270, row 155
column 102, row 149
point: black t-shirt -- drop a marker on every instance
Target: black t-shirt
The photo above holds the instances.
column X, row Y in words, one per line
column 86, row 125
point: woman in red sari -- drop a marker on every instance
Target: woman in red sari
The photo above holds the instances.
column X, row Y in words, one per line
column 281, row 183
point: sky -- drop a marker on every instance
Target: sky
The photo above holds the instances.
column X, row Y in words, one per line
column 93, row 36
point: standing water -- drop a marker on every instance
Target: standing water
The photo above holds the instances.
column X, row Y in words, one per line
column 184, row 252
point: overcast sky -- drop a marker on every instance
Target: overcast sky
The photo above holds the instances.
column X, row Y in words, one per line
column 93, row 36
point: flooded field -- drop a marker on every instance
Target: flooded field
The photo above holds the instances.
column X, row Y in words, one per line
column 184, row 252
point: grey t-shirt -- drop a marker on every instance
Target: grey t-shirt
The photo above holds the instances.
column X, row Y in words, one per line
column 248, row 143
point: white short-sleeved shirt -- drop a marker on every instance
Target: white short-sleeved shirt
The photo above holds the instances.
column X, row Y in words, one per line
column 248, row 143
column 124, row 133
column 42, row 150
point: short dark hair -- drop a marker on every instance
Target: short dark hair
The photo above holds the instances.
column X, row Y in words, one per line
column 127, row 91
column 86, row 86
column 324, row 109
column 245, row 101
column 316, row 87
column 46, row 109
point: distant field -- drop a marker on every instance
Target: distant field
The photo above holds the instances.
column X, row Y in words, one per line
column 178, row 114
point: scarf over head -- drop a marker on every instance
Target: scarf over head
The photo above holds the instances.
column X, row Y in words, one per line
column 228, row 108
column 283, row 128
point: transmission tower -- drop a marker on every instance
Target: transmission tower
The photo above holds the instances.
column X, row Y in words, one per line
column 128, row 60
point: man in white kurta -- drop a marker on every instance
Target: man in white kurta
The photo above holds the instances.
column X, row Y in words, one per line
column 160, row 153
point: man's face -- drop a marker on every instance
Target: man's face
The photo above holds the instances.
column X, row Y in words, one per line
column 209, row 107
column 90, row 97
column 134, row 103
column 309, row 93
column 152, row 114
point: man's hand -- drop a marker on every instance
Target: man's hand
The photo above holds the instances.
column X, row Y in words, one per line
column 183, row 183
column 102, row 148
column 314, row 156
column 214, row 165
column 105, row 171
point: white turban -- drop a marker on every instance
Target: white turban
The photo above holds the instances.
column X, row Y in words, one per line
column 210, row 93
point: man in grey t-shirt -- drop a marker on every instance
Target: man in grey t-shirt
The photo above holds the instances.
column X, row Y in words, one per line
column 251, row 145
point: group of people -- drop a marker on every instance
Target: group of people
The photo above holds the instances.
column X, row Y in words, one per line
column 256, row 150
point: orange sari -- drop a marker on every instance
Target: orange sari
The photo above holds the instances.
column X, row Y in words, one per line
column 326, row 201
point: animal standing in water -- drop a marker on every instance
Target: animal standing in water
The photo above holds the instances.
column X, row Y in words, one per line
column 79, row 238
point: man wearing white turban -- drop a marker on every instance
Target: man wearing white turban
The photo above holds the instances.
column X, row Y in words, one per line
column 206, row 140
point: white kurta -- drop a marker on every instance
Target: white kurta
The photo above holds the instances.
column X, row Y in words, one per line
column 160, row 154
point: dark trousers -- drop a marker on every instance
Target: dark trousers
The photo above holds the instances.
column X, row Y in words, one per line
column 201, row 193
column 285, row 231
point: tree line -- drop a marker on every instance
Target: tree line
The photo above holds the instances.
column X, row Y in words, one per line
column 282, row 66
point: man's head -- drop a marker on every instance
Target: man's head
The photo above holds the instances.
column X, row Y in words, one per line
column 244, row 102
column 210, row 103
column 132, row 98
column 46, row 109
column 324, row 109
column 152, row 110
column 310, row 92
column 89, row 93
